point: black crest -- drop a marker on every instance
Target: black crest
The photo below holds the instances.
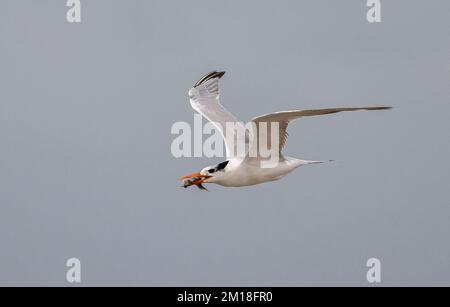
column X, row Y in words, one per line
column 219, row 167
column 222, row 165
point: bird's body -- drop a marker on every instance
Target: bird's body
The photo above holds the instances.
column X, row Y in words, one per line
column 257, row 163
column 239, row 173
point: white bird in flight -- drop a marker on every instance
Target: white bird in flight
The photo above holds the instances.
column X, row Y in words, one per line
column 246, row 169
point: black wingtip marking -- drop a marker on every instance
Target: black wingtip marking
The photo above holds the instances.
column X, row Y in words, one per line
column 208, row 76
column 380, row 108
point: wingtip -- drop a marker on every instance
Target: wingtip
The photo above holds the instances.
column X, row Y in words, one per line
column 220, row 74
column 209, row 76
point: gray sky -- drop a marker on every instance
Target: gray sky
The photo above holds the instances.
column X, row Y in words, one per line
column 86, row 169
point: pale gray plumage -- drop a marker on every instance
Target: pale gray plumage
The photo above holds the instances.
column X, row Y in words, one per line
column 246, row 169
column 283, row 118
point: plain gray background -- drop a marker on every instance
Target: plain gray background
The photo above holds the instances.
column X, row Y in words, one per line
column 86, row 169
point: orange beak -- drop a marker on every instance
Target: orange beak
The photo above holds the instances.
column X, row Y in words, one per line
column 194, row 178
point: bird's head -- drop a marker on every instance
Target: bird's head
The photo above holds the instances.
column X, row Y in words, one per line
column 209, row 174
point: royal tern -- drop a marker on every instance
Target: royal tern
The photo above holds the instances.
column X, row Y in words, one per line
column 245, row 169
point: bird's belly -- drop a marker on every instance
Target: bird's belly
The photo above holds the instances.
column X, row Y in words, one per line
column 250, row 175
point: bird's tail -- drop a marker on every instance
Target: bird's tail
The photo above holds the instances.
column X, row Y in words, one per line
column 304, row 162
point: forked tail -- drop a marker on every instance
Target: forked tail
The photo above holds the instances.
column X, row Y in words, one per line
column 304, row 162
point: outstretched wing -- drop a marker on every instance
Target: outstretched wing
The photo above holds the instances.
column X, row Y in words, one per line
column 204, row 98
column 283, row 118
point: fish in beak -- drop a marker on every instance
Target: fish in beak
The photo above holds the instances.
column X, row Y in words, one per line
column 194, row 179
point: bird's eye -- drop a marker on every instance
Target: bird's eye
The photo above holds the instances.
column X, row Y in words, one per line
column 211, row 170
